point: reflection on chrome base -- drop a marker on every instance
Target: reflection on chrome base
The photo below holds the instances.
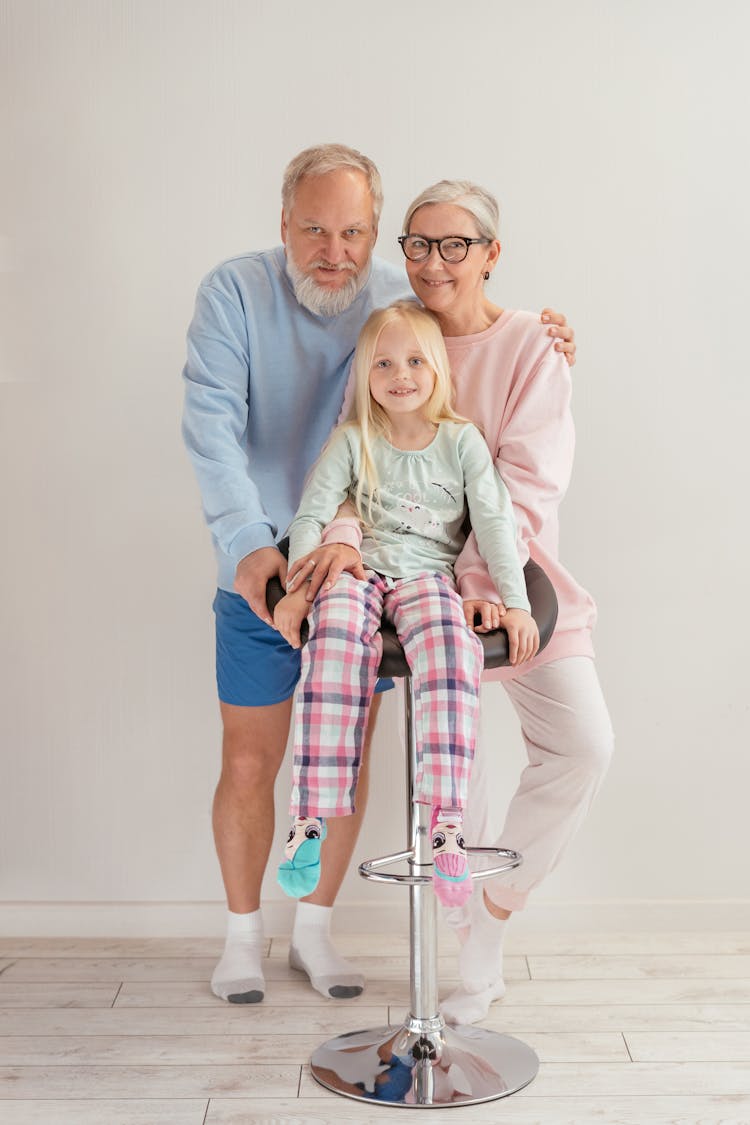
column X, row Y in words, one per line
column 411, row 1066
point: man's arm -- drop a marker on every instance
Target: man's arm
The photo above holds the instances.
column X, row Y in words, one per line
column 216, row 376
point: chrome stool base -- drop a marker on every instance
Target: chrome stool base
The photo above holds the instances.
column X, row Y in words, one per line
column 410, row 1066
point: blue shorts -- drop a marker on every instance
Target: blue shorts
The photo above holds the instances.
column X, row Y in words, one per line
column 255, row 667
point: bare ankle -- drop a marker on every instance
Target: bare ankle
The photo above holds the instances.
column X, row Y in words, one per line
column 496, row 911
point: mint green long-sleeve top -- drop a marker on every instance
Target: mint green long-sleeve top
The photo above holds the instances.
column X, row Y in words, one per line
column 416, row 521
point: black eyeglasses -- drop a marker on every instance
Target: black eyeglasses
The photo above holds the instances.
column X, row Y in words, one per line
column 454, row 248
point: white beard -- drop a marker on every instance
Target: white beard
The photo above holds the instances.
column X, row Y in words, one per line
column 321, row 301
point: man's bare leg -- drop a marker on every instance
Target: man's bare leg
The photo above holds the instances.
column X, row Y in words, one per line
column 243, row 818
column 311, row 948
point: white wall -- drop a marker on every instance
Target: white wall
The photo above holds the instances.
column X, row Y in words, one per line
column 144, row 141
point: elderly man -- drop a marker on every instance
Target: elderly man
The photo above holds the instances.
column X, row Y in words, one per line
column 268, row 356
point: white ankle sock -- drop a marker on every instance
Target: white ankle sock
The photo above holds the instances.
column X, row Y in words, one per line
column 312, row 952
column 238, row 977
column 480, row 965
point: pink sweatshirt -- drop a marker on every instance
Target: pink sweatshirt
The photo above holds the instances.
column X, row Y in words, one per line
column 516, row 388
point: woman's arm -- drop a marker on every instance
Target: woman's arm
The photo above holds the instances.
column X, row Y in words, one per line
column 535, row 459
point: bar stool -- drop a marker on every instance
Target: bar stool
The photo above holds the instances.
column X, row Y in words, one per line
column 424, row 1062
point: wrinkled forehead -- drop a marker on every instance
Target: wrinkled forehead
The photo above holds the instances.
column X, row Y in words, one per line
column 438, row 220
column 343, row 191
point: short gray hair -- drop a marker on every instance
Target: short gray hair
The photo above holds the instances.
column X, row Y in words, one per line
column 319, row 159
column 479, row 203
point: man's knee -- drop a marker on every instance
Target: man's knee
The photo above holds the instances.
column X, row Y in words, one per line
column 253, row 744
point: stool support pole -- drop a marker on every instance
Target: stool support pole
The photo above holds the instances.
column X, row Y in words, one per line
column 422, row 914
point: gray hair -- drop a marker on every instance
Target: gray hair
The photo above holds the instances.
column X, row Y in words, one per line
column 319, row 159
column 479, row 203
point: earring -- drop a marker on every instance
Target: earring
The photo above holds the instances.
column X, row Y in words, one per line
column 486, row 275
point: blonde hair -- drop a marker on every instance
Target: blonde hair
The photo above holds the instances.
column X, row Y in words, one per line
column 367, row 415
column 476, row 200
column 319, row 160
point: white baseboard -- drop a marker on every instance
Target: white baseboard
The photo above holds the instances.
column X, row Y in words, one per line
column 207, row 919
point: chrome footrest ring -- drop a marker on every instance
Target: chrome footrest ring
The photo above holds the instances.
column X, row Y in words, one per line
column 370, row 868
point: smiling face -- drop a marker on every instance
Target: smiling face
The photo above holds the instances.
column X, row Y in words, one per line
column 329, row 232
column 401, row 379
column 454, row 291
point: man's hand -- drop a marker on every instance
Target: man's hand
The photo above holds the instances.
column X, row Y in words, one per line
column 559, row 327
column 490, row 615
column 289, row 614
column 523, row 635
column 323, row 567
column 252, row 576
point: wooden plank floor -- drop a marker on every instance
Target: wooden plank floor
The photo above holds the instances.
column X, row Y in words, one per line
column 630, row 1030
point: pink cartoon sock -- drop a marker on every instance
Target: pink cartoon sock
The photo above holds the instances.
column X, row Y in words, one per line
column 451, row 876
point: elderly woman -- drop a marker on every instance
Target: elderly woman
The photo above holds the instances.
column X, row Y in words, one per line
column 512, row 382
column 516, row 387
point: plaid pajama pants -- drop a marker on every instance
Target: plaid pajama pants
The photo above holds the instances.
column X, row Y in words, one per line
column 339, row 671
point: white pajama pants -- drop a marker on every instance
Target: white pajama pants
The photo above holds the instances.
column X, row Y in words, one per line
column 569, row 741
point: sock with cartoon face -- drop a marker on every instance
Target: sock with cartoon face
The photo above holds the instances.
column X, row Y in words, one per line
column 299, row 874
column 451, row 877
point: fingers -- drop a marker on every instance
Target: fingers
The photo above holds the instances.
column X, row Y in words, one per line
column 290, row 634
column 307, row 570
column 319, row 574
column 254, row 594
column 562, row 332
column 288, row 623
column 294, row 573
column 549, row 316
column 490, row 617
column 292, row 637
column 488, row 613
column 252, row 576
column 512, row 631
column 528, row 642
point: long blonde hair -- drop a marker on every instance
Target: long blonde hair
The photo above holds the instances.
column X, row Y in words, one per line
column 367, row 415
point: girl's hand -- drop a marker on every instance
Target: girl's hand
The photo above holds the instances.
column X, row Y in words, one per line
column 323, row 567
column 289, row 614
column 523, row 635
column 489, row 614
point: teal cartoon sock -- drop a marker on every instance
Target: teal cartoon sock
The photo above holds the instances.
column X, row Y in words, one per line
column 299, row 874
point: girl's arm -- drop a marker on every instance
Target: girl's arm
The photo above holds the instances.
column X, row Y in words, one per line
column 491, row 516
column 289, row 614
column 326, row 489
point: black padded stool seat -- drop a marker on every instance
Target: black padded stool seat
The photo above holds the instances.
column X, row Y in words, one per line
column 543, row 609
column 541, row 595
column 423, row 1062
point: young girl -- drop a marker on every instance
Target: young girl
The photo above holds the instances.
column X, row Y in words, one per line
column 412, row 468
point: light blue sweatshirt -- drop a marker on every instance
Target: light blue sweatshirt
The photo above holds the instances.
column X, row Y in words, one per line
column 264, row 384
